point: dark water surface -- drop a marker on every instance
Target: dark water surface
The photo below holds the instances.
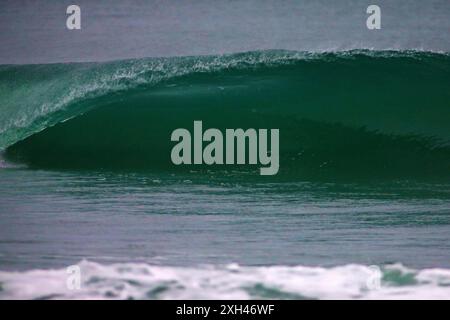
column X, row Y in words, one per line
column 363, row 191
column 53, row 219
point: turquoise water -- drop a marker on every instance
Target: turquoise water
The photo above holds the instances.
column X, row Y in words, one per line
column 86, row 177
column 348, row 115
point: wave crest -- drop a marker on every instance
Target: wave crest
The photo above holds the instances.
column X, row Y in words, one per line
column 30, row 95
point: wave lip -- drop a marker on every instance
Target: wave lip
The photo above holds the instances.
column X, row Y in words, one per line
column 143, row 281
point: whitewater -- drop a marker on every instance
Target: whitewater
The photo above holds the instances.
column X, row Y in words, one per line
column 142, row 281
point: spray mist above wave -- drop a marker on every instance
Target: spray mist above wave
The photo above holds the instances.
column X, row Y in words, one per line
column 143, row 281
column 361, row 111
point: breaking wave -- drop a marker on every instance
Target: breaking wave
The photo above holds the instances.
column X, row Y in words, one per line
column 142, row 281
column 346, row 114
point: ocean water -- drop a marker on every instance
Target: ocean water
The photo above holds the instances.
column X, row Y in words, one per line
column 360, row 208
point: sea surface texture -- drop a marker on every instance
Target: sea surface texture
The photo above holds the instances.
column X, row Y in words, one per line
column 360, row 207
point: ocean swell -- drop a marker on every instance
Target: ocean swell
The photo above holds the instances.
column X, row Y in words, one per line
column 346, row 114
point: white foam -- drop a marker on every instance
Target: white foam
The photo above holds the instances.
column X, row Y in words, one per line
column 5, row 164
column 142, row 281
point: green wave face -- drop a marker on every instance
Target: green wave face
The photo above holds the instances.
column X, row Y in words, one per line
column 356, row 114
